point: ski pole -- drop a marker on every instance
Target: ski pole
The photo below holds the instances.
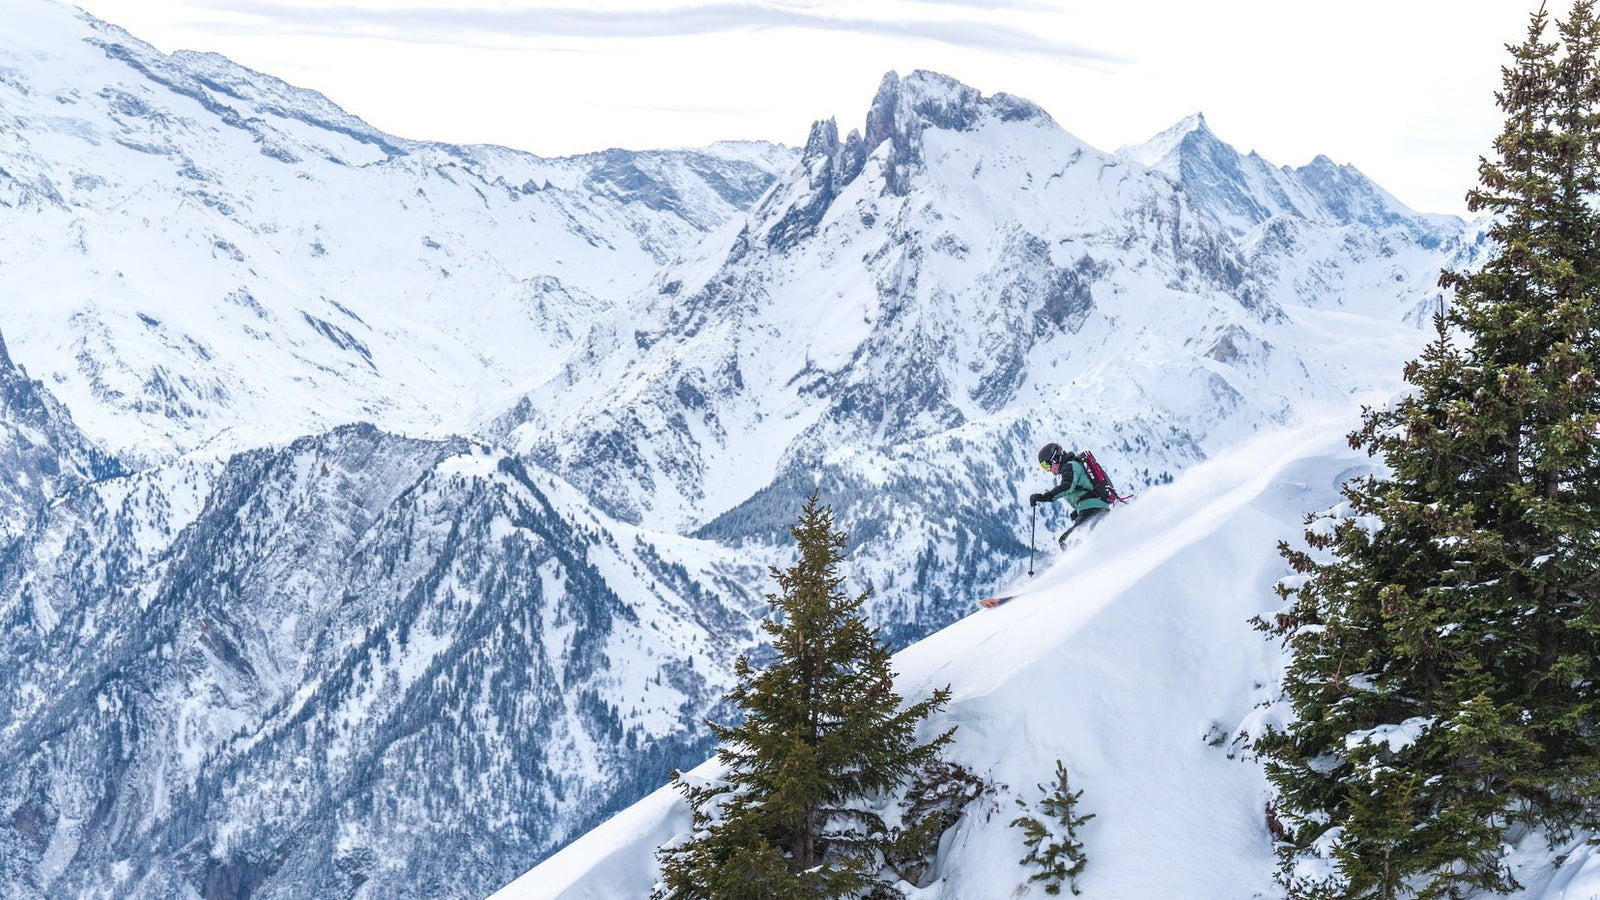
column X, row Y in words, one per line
column 1031, row 529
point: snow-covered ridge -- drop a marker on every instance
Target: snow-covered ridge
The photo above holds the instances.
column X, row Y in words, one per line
column 1243, row 191
column 198, row 247
column 1162, row 152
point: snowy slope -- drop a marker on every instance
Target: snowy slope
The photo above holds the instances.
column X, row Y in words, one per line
column 198, row 249
column 1132, row 660
column 1127, row 658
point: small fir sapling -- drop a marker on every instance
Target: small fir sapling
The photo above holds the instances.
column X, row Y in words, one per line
column 1052, row 840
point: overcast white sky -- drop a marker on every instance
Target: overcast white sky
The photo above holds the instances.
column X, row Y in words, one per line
column 1402, row 89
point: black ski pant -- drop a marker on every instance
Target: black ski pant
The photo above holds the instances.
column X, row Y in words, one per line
column 1089, row 518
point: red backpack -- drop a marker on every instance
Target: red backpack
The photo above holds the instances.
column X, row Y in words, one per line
column 1102, row 483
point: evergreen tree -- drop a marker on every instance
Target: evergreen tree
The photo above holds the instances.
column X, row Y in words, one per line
column 823, row 736
column 1445, row 638
column 1052, row 842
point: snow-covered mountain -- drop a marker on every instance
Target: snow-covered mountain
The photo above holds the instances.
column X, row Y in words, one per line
column 194, row 248
column 43, row 455
column 355, row 660
column 911, row 314
column 1320, row 235
column 226, row 671
column 1244, row 191
column 452, row 472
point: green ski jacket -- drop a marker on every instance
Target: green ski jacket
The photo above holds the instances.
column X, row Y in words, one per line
column 1077, row 486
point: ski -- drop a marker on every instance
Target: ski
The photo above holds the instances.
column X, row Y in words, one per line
column 992, row 602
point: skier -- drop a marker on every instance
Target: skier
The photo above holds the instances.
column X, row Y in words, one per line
column 1076, row 485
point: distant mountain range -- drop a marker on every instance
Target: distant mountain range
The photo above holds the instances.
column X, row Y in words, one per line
column 379, row 515
column 210, row 250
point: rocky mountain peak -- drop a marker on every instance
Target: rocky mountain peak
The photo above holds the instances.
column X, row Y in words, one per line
column 824, row 151
column 930, row 99
column 1347, row 194
column 1164, row 151
column 1241, row 191
column 904, row 108
column 901, row 111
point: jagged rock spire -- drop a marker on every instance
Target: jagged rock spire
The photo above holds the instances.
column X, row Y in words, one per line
column 902, row 110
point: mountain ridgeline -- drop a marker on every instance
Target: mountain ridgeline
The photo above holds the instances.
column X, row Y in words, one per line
column 378, row 515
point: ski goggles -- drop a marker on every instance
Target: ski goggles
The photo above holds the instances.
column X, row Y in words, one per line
column 1045, row 466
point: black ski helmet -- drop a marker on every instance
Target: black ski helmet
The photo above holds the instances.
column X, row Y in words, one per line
column 1048, row 454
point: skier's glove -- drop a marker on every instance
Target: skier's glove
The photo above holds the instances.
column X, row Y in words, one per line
column 1036, row 499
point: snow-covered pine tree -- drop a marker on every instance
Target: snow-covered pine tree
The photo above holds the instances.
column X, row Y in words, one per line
column 824, row 736
column 1052, row 841
column 1445, row 642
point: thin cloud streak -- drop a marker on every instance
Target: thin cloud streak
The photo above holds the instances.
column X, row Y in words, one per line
column 440, row 24
column 989, row 5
